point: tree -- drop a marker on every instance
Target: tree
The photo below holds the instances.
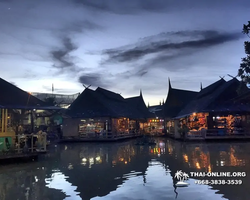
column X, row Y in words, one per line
column 244, row 70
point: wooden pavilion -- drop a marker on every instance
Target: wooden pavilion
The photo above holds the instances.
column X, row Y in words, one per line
column 217, row 111
column 176, row 100
column 104, row 113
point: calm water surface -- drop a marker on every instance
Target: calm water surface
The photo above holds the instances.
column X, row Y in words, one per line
column 124, row 171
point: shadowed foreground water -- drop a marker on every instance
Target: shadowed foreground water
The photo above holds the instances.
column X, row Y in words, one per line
column 124, row 171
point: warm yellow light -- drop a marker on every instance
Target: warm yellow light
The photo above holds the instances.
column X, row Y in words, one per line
column 198, row 165
column 125, row 162
column 8, row 117
column 209, row 168
column 84, row 160
column 185, row 157
column 194, row 113
column 98, row 158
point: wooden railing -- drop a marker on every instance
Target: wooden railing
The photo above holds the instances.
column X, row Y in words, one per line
column 32, row 142
column 216, row 133
column 27, row 143
column 109, row 135
column 198, row 133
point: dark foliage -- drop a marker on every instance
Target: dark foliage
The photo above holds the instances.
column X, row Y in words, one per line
column 244, row 70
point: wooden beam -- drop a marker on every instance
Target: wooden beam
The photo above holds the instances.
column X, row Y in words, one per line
column 86, row 87
column 232, row 76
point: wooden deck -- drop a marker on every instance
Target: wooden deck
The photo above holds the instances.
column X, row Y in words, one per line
column 98, row 139
column 228, row 137
column 212, row 137
column 20, row 157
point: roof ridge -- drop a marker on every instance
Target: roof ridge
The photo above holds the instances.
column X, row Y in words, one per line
column 184, row 90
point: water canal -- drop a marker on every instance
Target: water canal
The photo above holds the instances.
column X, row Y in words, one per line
column 124, row 171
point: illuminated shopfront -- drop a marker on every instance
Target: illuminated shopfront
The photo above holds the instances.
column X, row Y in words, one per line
column 122, row 125
column 170, row 127
column 103, row 126
column 155, row 126
column 197, row 121
column 216, row 124
column 93, row 126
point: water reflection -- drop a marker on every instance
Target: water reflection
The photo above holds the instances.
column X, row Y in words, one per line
column 126, row 171
column 58, row 181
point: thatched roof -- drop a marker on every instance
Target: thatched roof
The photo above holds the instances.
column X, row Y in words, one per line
column 216, row 100
column 104, row 103
column 139, row 105
column 176, row 100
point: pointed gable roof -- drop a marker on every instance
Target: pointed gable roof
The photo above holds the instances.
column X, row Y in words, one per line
column 138, row 103
column 176, row 100
column 217, row 94
column 109, row 94
column 209, row 89
column 89, row 104
column 105, row 103
column 14, row 97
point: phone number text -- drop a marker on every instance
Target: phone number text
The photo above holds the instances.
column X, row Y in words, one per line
column 218, row 182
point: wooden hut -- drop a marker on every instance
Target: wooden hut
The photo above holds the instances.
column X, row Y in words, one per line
column 102, row 113
column 142, row 116
column 176, row 100
column 216, row 113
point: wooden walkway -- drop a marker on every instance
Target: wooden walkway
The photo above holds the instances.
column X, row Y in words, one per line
column 98, row 139
column 213, row 138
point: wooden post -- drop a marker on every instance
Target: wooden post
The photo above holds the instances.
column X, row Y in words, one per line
column 32, row 143
column 45, row 141
column 106, row 127
column 110, row 127
column 18, row 143
column 32, row 121
column 1, row 120
column 176, row 129
column 3, row 117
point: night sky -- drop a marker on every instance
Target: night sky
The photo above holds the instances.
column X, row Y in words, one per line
column 123, row 46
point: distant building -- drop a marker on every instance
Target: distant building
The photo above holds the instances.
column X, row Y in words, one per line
column 62, row 100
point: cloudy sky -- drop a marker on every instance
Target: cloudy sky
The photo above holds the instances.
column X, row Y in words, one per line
column 123, row 46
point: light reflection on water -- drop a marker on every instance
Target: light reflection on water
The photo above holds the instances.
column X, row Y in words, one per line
column 157, row 184
column 126, row 171
column 58, row 181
